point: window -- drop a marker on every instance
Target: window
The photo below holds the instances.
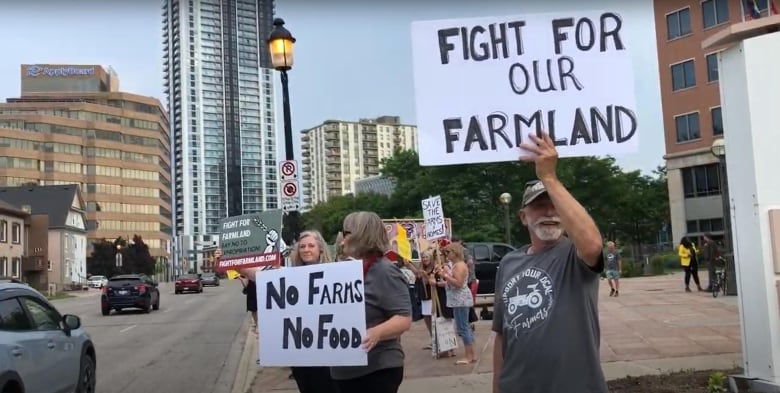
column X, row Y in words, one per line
column 43, row 317
column 687, row 127
column 3, row 231
column 717, row 121
column 683, row 75
column 714, row 12
column 701, row 181
column 499, row 251
column 12, row 316
column 16, row 266
column 705, row 225
column 712, row 67
column 16, row 233
column 3, row 266
column 678, row 23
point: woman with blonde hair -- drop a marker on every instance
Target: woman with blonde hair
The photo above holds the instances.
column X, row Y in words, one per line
column 459, row 297
column 388, row 309
column 310, row 249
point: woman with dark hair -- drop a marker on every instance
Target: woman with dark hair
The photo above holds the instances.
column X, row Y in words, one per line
column 690, row 262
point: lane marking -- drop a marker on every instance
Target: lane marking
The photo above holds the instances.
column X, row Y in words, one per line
column 127, row 328
column 167, row 310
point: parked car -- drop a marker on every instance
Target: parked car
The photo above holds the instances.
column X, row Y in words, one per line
column 188, row 283
column 487, row 257
column 130, row 291
column 40, row 349
column 97, row 281
column 209, row 279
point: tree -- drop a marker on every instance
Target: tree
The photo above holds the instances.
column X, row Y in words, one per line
column 135, row 257
column 627, row 205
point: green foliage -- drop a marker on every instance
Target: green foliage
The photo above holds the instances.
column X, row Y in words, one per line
column 627, row 206
column 135, row 257
column 657, row 265
column 630, row 268
column 716, row 383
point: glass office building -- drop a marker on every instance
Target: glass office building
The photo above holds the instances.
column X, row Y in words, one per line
column 221, row 105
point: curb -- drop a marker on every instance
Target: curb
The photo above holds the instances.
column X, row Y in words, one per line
column 247, row 366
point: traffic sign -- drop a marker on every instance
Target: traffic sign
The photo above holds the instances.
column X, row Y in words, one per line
column 288, row 170
column 290, row 195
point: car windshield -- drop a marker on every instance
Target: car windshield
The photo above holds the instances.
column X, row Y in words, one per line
column 97, row 277
column 189, row 277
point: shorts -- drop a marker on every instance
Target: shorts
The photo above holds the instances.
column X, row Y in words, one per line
column 612, row 274
column 426, row 307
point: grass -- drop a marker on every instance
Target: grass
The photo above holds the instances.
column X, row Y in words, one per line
column 59, row 296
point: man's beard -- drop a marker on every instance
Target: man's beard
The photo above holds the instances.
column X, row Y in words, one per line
column 546, row 232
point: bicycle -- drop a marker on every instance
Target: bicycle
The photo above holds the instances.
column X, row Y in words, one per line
column 720, row 278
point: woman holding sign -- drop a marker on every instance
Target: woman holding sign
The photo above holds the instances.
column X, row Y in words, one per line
column 388, row 309
column 311, row 249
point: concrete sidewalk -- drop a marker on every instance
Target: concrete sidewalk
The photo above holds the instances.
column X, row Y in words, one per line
column 653, row 327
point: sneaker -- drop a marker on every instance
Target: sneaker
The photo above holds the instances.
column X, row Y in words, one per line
column 612, row 292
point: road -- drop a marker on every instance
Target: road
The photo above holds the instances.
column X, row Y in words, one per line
column 191, row 344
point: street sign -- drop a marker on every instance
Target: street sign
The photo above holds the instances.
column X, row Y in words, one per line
column 288, row 170
column 290, row 195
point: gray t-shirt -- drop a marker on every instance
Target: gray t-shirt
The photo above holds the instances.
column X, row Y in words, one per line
column 611, row 260
column 386, row 294
column 546, row 309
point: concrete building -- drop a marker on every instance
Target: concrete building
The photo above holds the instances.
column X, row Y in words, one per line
column 220, row 95
column 691, row 108
column 12, row 239
column 374, row 185
column 337, row 153
column 65, row 247
column 72, row 126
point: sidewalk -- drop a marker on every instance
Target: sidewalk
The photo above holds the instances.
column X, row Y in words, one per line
column 653, row 327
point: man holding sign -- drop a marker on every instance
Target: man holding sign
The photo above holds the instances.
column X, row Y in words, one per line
column 546, row 297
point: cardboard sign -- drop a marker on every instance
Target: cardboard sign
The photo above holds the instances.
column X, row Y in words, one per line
column 482, row 85
column 250, row 240
column 312, row 315
column 433, row 215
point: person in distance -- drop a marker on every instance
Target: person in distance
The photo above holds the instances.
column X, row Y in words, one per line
column 546, row 296
column 388, row 309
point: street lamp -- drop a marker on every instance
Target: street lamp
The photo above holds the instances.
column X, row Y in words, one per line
column 118, row 257
column 505, row 199
column 280, row 44
column 718, row 150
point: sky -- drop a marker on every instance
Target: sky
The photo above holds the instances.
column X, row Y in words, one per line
column 353, row 59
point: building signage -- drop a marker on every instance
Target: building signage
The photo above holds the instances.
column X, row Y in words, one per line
column 35, row 71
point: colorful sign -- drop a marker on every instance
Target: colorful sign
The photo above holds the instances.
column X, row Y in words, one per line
column 250, row 240
column 415, row 232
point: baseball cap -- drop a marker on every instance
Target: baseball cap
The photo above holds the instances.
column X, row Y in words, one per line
column 533, row 189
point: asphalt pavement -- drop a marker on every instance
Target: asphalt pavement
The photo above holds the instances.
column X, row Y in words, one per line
column 191, row 344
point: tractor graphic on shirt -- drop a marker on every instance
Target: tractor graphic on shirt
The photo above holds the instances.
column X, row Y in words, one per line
column 532, row 299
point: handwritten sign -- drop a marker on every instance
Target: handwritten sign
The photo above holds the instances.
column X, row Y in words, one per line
column 433, row 215
column 250, row 240
column 483, row 85
column 312, row 315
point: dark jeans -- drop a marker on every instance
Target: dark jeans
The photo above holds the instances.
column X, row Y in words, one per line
column 314, row 380
column 692, row 270
column 381, row 381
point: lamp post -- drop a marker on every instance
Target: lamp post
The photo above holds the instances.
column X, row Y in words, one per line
column 505, row 199
column 118, row 257
column 280, row 45
column 718, row 149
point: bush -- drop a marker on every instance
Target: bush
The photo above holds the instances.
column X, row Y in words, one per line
column 657, row 265
column 630, row 269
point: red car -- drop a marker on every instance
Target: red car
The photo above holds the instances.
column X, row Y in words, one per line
column 188, row 283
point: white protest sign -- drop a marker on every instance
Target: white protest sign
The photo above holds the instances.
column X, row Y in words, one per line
column 433, row 215
column 312, row 315
column 482, row 85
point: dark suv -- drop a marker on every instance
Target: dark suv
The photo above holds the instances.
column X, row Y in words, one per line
column 487, row 257
column 130, row 291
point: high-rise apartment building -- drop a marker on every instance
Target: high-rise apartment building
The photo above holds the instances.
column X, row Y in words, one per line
column 336, row 153
column 71, row 125
column 691, row 107
column 220, row 98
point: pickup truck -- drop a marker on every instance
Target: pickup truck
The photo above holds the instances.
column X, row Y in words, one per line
column 487, row 257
